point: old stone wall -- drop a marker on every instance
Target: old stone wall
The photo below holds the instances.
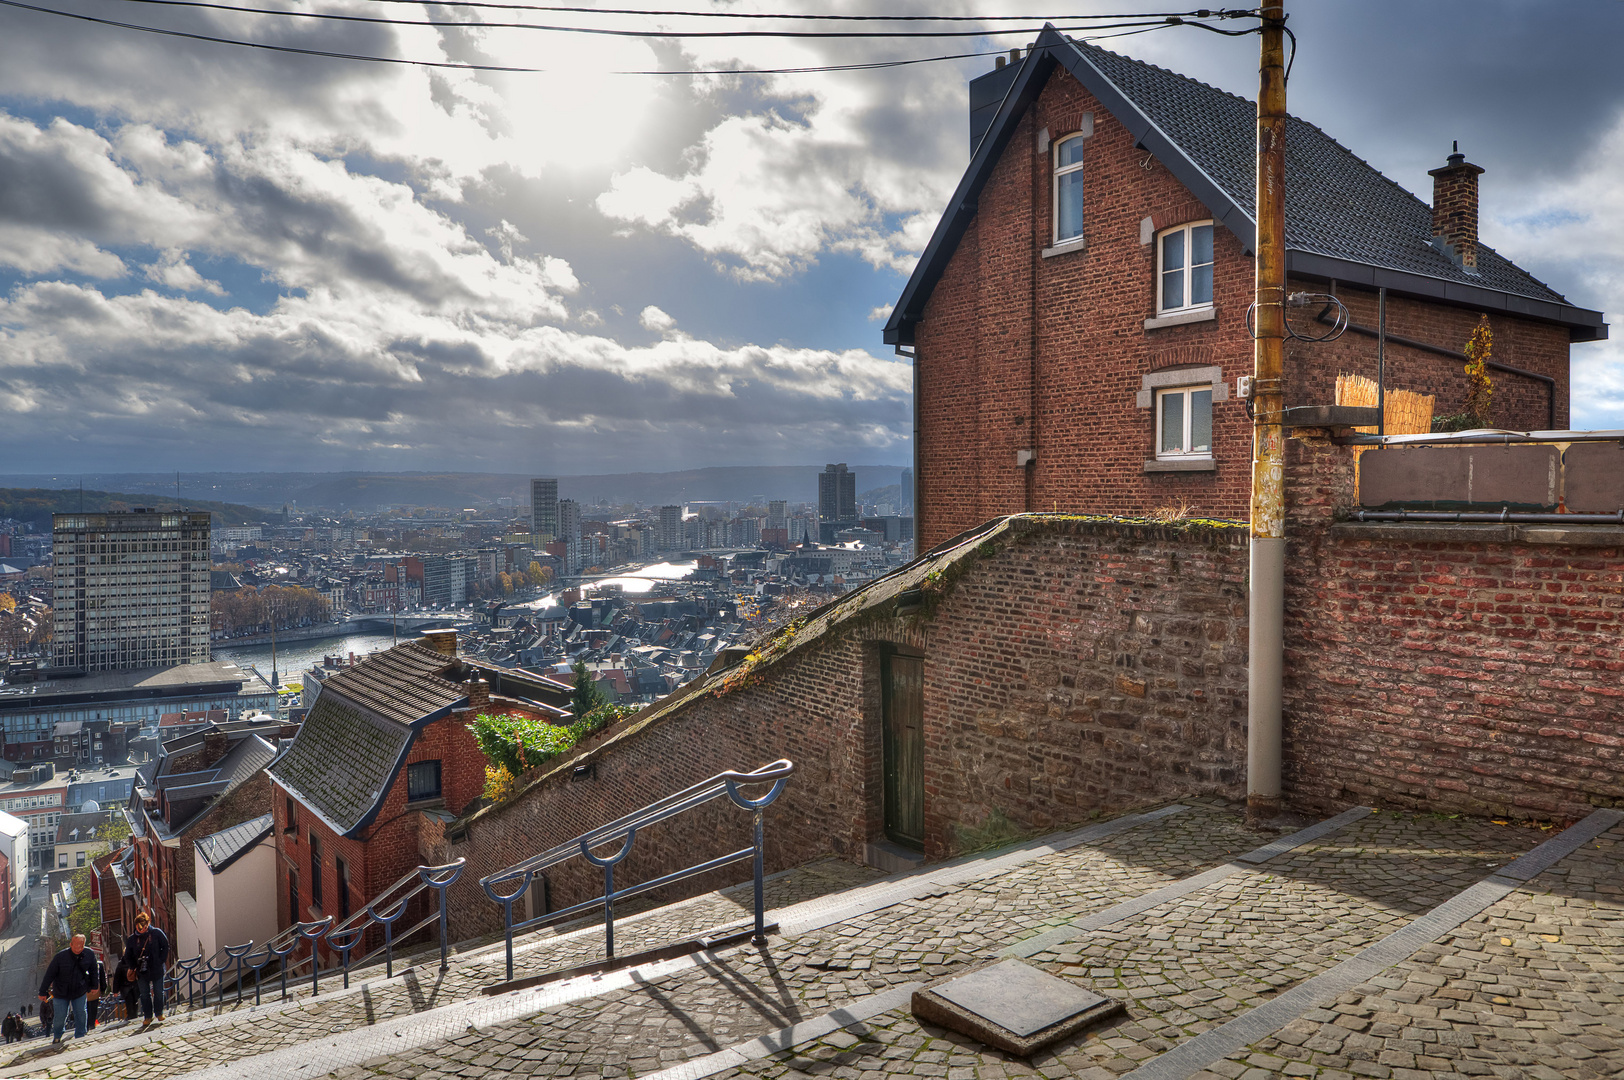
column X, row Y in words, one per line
column 1453, row 668
column 1070, row 666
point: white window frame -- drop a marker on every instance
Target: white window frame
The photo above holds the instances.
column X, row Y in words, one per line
column 1187, row 229
column 1067, row 170
column 1184, row 441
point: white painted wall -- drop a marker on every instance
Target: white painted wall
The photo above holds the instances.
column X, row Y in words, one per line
column 14, row 842
column 239, row 904
column 186, row 936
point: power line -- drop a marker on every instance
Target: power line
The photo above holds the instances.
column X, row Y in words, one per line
column 642, row 34
column 1202, row 13
column 465, row 66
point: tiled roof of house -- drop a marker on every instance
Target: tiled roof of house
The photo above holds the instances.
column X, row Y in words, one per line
column 184, row 797
column 350, row 747
column 1343, row 218
column 403, row 683
column 221, row 849
column 1336, row 204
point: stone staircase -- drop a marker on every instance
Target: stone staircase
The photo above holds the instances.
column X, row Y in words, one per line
column 1372, row 944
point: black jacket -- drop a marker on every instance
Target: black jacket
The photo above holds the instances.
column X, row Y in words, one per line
column 147, row 953
column 69, row 976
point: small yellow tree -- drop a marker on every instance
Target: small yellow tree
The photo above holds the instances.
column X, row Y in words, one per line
column 1480, row 389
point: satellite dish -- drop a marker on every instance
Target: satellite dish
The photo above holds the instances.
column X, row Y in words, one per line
column 90, row 807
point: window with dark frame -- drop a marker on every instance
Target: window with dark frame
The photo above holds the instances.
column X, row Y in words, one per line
column 341, row 871
column 423, row 780
column 293, row 896
column 315, row 869
column 292, row 823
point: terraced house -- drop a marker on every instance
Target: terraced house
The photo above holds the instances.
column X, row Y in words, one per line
column 1079, row 318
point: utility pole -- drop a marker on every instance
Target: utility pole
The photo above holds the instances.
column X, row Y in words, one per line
column 1267, row 602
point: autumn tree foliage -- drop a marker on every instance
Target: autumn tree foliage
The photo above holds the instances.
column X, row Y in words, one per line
column 250, row 610
column 1480, row 389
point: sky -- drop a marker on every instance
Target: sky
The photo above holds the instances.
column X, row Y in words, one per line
column 220, row 258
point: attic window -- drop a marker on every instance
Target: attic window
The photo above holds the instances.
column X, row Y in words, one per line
column 1068, row 188
column 1184, row 268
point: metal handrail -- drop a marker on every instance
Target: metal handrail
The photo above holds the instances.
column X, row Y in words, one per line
column 342, row 937
column 624, row 830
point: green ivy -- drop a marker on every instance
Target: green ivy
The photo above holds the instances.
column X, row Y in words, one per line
column 517, row 743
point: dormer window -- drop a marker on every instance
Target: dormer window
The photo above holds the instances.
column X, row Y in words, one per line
column 1184, row 268
column 1068, row 188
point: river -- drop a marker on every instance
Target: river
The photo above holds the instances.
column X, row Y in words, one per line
column 293, row 660
column 635, row 582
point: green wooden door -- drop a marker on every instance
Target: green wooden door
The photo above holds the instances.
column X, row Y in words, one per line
column 903, row 749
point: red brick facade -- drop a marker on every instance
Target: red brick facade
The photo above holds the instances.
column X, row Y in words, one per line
column 385, row 850
column 1017, row 351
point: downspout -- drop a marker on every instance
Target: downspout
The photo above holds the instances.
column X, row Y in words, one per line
column 1029, row 467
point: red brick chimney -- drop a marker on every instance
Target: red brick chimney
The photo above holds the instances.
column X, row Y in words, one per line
column 479, row 693
column 1454, row 209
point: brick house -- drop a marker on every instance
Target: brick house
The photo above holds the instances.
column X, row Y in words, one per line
column 201, row 783
column 1078, row 319
column 385, row 747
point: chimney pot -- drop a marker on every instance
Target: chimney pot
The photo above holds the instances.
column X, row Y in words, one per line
column 1454, row 209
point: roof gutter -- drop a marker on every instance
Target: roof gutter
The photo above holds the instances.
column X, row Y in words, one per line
column 1582, row 323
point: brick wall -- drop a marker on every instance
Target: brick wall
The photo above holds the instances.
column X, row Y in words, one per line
column 1461, row 669
column 1017, row 351
column 388, row 848
column 1075, row 666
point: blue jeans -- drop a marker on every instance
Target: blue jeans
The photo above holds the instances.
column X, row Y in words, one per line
column 152, row 996
column 60, row 1020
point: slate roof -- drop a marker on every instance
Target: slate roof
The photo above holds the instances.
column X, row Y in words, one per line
column 351, row 746
column 221, row 849
column 1344, row 219
column 184, row 797
column 403, row 683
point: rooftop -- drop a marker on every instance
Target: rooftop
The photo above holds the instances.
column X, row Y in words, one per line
column 163, row 682
column 221, row 849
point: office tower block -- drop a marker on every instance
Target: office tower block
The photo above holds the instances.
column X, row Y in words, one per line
column 569, row 531
column 670, row 528
column 131, row 589
column 837, row 501
column 544, row 508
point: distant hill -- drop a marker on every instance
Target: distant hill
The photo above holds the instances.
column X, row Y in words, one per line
column 361, row 491
column 36, row 505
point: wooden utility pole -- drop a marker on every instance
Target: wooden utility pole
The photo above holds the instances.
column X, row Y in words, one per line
column 1267, row 601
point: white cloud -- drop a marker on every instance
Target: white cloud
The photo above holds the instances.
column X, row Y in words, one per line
column 174, row 271
column 654, row 319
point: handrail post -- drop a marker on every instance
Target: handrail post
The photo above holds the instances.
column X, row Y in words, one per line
column 760, row 937
column 609, row 886
column 428, row 876
column 313, row 932
column 236, row 953
column 609, row 911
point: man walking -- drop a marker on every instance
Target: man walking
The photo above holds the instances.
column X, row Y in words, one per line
column 147, row 953
column 68, row 978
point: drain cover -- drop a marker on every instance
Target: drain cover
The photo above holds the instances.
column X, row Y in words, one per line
column 1012, row 1006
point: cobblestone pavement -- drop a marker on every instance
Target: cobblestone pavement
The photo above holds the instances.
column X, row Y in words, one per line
column 1533, row 987
column 750, row 992
column 1202, row 959
column 178, row 1046
column 1184, row 967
